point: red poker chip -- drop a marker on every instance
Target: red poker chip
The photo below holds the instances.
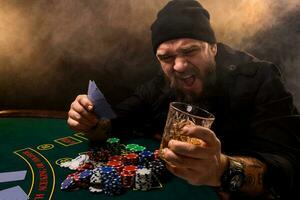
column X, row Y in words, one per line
column 130, row 169
column 76, row 176
column 131, row 156
column 114, row 163
column 131, row 159
column 118, row 165
column 127, row 180
column 71, row 175
column 115, row 158
column 85, row 166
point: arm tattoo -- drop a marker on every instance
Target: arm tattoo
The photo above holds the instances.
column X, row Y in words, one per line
column 254, row 171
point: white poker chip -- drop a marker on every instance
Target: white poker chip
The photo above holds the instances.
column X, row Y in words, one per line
column 76, row 162
column 95, row 190
column 65, row 164
column 95, row 179
column 143, row 180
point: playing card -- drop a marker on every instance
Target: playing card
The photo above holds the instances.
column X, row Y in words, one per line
column 101, row 107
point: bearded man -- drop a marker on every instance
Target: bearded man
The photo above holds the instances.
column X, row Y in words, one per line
column 252, row 148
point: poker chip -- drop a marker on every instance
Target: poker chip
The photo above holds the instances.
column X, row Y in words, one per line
column 113, row 145
column 115, row 158
column 130, row 169
column 134, row 148
column 143, row 179
column 113, row 170
column 131, row 159
column 68, row 184
column 157, row 167
column 127, row 179
column 84, row 166
column 85, row 175
column 103, row 155
column 118, row 165
column 112, row 184
column 145, row 156
column 95, row 190
column 95, row 179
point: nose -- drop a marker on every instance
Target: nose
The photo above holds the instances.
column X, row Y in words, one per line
column 180, row 64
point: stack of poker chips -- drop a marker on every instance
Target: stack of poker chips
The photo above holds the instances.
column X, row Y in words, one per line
column 143, row 179
column 105, row 171
column 131, row 159
column 113, row 145
column 111, row 181
column 128, row 176
column 145, row 157
column 117, row 165
column 77, row 180
column 96, row 181
column 98, row 154
column 157, row 167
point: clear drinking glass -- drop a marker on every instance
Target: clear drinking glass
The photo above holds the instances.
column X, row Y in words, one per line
column 181, row 114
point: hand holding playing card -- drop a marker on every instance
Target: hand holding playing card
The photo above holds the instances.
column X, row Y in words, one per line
column 101, row 107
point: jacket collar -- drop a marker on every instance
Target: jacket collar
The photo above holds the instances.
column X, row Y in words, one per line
column 229, row 60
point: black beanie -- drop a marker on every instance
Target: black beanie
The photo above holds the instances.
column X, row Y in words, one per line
column 182, row 19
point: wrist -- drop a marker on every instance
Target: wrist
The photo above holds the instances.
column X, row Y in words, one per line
column 101, row 131
column 224, row 164
column 233, row 176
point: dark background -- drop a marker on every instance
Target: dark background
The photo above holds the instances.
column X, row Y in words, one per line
column 50, row 49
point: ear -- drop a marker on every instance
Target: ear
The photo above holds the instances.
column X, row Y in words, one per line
column 214, row 49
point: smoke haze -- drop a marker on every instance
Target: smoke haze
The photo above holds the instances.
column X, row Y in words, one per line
column 50, row 49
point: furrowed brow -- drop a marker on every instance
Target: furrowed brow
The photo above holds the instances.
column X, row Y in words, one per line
column 190, row 47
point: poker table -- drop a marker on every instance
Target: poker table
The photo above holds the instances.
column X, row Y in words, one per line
column 39, row 144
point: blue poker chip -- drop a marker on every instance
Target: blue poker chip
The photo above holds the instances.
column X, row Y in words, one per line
column 85, row 175
column 146, row 156
column 67, row 184
column 140, row 166
column 106, row 169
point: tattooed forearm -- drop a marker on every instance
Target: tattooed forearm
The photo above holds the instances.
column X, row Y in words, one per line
column 254, row 171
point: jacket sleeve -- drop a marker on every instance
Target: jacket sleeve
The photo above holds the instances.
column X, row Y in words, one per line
column 275, row 128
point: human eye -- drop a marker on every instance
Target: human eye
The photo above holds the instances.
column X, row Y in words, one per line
column 189, row 51
column 165, row 58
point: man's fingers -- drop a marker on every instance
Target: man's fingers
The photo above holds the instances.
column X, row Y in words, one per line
column 76, row 126
column 181, row 161
column 81, row 119
column 205, row 134
column 190, row 150
column 85, row 102
column 77, row 107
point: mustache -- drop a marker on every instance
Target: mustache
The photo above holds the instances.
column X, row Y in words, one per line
column 187, row 73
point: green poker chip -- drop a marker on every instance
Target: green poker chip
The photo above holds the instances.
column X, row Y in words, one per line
column 113, row 140
column 135, row 148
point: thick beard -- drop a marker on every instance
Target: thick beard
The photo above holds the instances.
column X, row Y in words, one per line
column 208, row 79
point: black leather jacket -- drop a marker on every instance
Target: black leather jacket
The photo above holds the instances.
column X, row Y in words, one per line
column 255, row 114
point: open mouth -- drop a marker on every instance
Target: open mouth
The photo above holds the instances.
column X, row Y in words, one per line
column 188, row 80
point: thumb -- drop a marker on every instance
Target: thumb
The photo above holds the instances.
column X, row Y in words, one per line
column 90, row 107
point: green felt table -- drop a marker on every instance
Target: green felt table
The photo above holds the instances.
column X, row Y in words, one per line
column 39, row 144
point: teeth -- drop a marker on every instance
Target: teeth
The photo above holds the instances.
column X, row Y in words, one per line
column 189, row 80
column 187, row 76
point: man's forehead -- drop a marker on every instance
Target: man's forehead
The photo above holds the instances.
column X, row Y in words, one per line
column 178, row 43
